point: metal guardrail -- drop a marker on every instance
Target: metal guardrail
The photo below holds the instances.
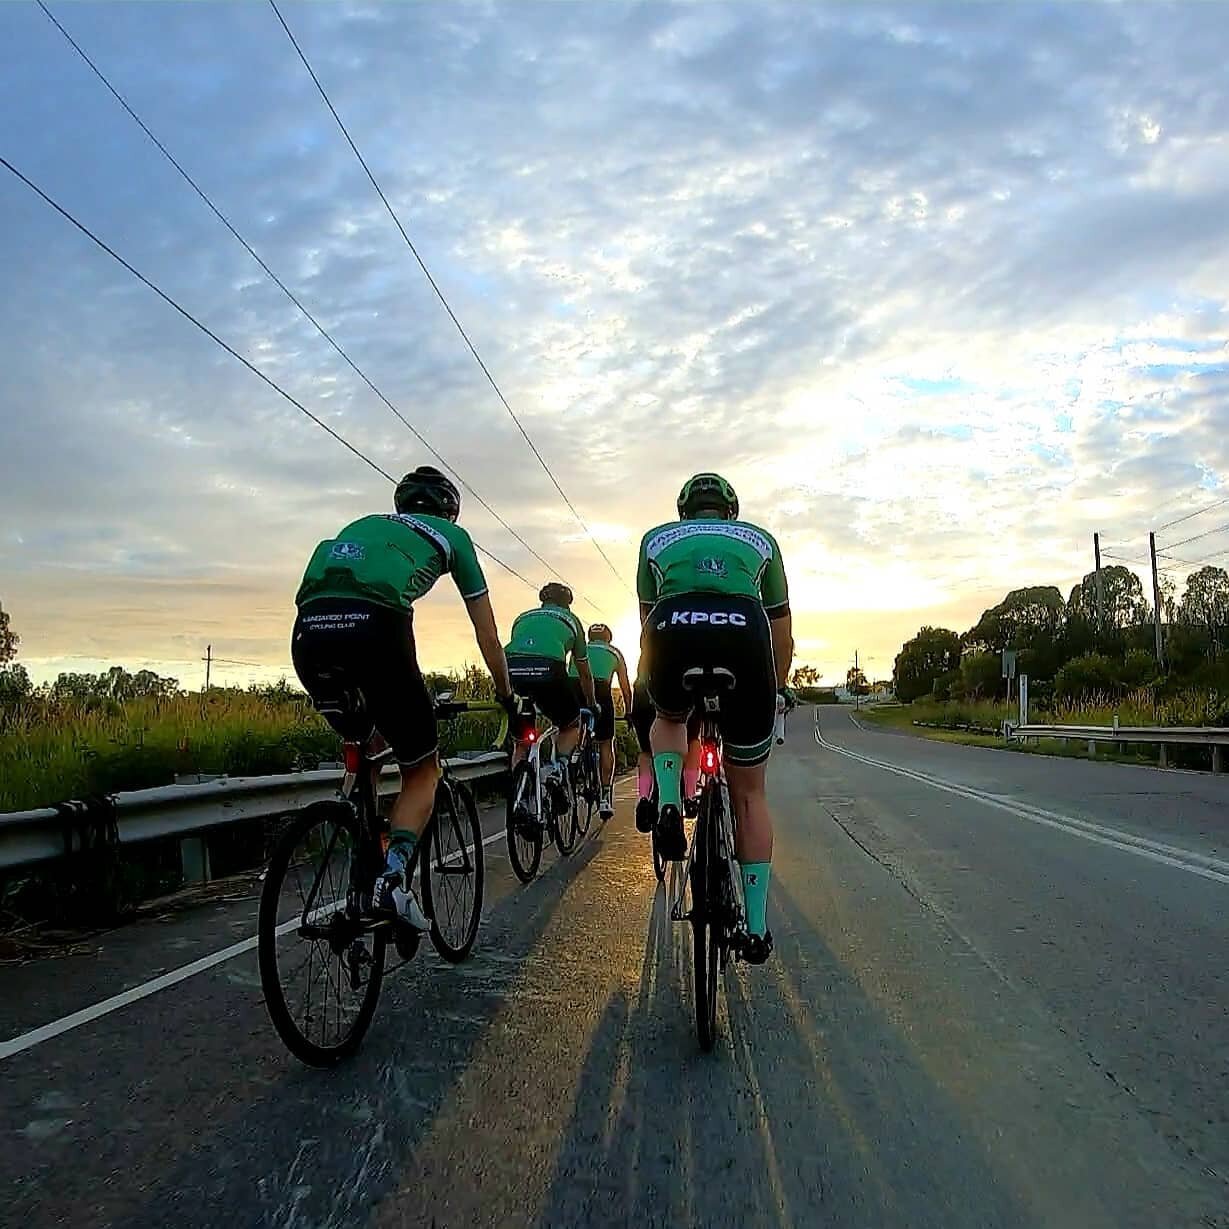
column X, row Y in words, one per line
column 1161, row 736
column 181, row 810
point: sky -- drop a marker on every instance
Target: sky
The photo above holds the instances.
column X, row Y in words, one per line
column 941, row 289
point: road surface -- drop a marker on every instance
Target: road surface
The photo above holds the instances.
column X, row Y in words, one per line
column 999, row 998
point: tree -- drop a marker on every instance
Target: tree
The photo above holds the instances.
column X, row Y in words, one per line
column 932, row 652
column 855, row 681
column 1091, row 675
column 1125, row 604
column 1205, row 604
column 981, row 674
column 15, row 684
column 9, row 639
column 806, row 676
column 1031, row 620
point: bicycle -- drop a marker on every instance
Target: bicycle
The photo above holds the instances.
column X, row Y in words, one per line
column 586, row 782
column 718, row 911
column 536, row 808
column 317, row 915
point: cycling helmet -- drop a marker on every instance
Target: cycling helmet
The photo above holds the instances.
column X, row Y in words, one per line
column 599, row 631
column 427, row 490
column 707, row 494
column 555, row 594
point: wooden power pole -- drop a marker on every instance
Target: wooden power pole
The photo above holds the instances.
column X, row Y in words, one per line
column 1156, row 601
column 1096, row 553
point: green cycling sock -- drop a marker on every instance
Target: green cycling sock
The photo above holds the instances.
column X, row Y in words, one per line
column 667, row 767
column 755, row 891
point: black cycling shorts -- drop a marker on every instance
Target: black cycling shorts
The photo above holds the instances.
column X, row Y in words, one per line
column 709, row 629
column 544, row 680
column 346, row 643
column 643, row 712
column 604, row 716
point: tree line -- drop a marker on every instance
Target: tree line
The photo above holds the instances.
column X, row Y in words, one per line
column 1079, row 646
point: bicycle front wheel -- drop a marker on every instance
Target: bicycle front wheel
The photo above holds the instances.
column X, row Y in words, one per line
column 453, row 871
column 705, row 924
column 524, row 824
column 321, row 959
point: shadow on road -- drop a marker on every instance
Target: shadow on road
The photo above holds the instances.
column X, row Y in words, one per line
column 812, row 1110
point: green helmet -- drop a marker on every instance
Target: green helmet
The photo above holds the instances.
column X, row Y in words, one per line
column 707, row 493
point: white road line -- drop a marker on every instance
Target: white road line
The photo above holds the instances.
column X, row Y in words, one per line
column 1203, row 865
column 27, row 1041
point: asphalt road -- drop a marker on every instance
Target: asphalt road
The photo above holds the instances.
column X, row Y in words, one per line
column 999, row 998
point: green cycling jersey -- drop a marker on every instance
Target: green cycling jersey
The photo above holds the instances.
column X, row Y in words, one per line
column 708, row 555
column 604, row 661
column 392, row 559
column 548, row 631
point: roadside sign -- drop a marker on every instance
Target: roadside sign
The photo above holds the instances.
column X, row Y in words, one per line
column 1009, row 663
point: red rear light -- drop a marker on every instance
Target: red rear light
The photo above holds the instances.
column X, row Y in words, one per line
column 352, row 756
column 708, row 758
column 531, row 735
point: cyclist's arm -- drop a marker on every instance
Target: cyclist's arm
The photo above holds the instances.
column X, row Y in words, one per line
column 489, row 644
column 625, row 688
column 782, row 629
column 585, row 673
column 646, row 585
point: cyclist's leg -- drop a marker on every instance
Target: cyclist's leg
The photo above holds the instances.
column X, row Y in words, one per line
column 747, row 729
column 641, row 718
column 691, row 765
column 556, row 698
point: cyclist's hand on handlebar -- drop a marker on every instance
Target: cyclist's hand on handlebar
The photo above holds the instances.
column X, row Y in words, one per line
column 587, row 719
column 789, row 697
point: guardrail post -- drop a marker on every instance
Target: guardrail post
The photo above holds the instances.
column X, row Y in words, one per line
column 1092, row 748
column 194, row 859
column 1163, row 761
column 1217, row 766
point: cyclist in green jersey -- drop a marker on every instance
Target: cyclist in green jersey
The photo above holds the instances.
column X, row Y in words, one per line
column 605, row 661
column 355, row 632
column 713, row 593
column 542, row 643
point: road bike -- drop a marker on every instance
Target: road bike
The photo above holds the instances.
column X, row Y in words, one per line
column 321, row 941
column 711, row 879
column 538, row 808
column 586, row 781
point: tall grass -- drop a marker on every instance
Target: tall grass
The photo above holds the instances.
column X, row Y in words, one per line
column 1141, row 707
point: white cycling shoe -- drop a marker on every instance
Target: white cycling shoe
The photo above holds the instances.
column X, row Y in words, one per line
column 390, row 894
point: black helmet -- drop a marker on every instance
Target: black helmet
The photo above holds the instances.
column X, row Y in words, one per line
column 427, row 490
column 599, row 631
column 709, row 493
column 554, row 594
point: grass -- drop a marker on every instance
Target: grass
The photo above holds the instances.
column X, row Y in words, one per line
column 1140, row 708
column 50, row 752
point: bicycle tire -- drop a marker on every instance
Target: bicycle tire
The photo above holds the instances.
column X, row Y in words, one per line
column 524, row 852
column 705, row 923
column 564, row 823
column 338, row 818
column 455, row 836
column 584, row 795
column 659, row 863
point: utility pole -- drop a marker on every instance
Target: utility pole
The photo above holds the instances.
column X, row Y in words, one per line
column 1096, row 551
column 1156, row 601
column 208, row 663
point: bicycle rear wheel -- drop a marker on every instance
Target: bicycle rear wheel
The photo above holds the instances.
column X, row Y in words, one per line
column 585, row 792
column 525, row 832
column 564, row 818
column 453, row 871
column 659, row 863
column 321, row 956
column 705, row 920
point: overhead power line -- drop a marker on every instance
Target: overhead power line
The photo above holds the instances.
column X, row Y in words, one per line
column 1199, row 512
column 439, row 294
column 166, row 153
column 204, row 328
column 1196, row 537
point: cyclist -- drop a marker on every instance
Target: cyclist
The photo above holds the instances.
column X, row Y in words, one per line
column 604, row 661
column 355, row 628
column 712, row 592
column 543, row 640
column 641, row 718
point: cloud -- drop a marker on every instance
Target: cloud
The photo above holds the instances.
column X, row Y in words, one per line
column 942, row 288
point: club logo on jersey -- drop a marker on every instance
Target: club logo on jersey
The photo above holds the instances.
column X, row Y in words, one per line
column 350, row 552
column 712, row 566
column 714, row 618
